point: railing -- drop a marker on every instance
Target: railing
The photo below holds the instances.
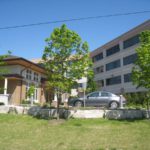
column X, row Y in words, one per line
column 4, row 98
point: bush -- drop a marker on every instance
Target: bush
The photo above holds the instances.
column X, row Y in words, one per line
column 1, row 103
column 136, row 100
column 25, row 102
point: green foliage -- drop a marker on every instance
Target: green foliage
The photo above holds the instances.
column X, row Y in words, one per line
column 25, row 101
column 91, row 84
column 136, row 100
column 31, row 91
column 3, row 71
column 66, row 59
column 141, row 70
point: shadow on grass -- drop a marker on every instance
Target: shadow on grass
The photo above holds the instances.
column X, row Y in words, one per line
column 126, row 121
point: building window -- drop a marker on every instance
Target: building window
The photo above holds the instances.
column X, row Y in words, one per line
column 130, row 42
column 35, row 94
column 80, row 85
column 100, row 83
column 113, row 65
column 113, row 80
column 127, row 77
column 97, row 57
column 99, row 69
column 28, row 74
column 129, row 59
column 112, row 50
column 36, row 76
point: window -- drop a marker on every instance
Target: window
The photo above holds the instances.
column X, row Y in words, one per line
column 113, row 80
column 97, row 57
column 113, row 65
column 112, row 50
column 95, row 94
column 129, row 59
column 35, row 95
column 80, row 85
column 127, row 77
column 99, row 69
column 28, row 74
column 105, row 94
column 36, row 76
column 100, row 83
column 130, row 42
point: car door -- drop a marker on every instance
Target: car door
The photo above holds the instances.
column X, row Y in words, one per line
column 104, row 98
column 91, row 99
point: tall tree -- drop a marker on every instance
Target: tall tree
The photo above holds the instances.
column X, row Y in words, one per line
column 2, row 57
column 141, row 70
column 2, row 70
column 66, row 59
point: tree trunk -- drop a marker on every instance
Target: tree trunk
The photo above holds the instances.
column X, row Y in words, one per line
column 148, row 108
column 57, row 107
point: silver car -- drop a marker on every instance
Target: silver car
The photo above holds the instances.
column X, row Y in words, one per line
column 98, row 98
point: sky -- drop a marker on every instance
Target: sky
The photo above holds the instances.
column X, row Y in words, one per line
column 29, row 42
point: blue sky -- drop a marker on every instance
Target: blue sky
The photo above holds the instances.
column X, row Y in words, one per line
column 29, row 42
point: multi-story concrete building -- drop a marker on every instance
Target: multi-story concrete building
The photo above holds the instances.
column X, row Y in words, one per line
column 113, row 61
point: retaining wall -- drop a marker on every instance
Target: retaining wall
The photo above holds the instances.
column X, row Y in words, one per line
column 36, row 111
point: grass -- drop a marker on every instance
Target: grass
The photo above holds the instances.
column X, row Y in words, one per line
column 26, row 133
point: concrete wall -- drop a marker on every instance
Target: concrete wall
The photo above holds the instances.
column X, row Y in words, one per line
column 12, row 69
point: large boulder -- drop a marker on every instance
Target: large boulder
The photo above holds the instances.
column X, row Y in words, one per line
column 121, row 114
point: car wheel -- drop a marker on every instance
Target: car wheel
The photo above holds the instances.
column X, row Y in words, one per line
column 78, row 104
column 113, row 105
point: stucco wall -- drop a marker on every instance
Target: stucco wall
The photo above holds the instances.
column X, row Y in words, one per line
column 14, row 88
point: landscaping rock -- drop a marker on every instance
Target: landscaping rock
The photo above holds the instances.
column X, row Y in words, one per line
column 88, row 114
column 19, row 109
column 4, row 109
column 124, row 114
column 34, row 111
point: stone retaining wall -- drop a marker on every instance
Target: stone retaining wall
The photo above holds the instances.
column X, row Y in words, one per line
column 36, row 111
column 5, row 109
column 119, row 114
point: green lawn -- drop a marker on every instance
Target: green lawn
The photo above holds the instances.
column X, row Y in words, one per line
column 27, row 133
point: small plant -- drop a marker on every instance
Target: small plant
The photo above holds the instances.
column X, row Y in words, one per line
column 1, row 103
column 25, row 101
column 30, row 93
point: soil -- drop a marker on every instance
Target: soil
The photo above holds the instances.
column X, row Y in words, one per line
column 57, row 122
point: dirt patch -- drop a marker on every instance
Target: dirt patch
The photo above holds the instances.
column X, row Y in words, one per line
column 57, row 122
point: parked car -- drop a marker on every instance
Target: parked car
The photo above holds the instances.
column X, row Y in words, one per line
column 97, row 99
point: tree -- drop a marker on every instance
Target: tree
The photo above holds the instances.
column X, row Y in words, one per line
column 30, row 93
column 91, row 84
column 2, row 70
column 66, row 59
column 141, row 70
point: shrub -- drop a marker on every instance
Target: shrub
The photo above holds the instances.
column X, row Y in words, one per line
column 1, row 103
column 136, row 100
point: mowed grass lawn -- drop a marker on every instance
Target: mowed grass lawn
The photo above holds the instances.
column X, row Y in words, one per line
column 26, row 133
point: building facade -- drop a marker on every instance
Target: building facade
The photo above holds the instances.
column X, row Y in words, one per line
column 113, row 62
column 18, row 76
